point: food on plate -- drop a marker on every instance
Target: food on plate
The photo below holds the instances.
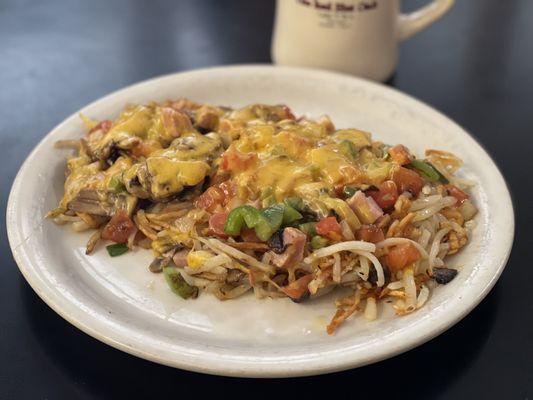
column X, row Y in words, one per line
column 255, row 199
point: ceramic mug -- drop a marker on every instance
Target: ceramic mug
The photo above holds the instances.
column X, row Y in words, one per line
column 358, row 37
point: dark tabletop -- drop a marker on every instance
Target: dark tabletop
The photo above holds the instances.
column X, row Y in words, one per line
column 475, row 65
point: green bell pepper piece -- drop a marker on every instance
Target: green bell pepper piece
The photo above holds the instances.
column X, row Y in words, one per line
column 265, row 222
column 349, row 191
column 318, row 242
column 348, row 149
column 178, row 285
column 309, row 228
column 117, row 249
column 243, row 215
column 428, row 171
column 116, row 185
column 295, row 202
column 274, row 218
column 290, row 215
column 268, row 201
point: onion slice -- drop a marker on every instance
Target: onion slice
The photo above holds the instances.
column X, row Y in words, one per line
column 353, row 246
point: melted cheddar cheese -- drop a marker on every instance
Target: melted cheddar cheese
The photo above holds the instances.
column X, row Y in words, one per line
column 293, row 154
column 156, row 151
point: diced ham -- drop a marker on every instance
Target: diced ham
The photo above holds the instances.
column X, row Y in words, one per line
column 207, row 118
column 366, row 209
column 175, row 122
column 294, row 239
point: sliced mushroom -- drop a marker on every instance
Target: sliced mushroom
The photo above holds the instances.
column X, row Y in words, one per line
column 90, row 201
column 235, row 276
column 108, row 148
column 158, row 264
column 94, row 202
column 180, row 258
column 165, row 174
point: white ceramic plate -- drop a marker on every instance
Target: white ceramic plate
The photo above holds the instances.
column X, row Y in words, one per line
column 119, row 302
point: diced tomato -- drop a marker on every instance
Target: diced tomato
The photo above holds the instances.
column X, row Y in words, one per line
column 218, row 178
column 249, row 235
column 407, row 180
column 370, row 233
column 209, row 199
column 288, row 112
column 339, row 189
column 299, row 288
column 386, row 195
column 233, row 160
column 144, row 148
column 119, row 228
column 401, row 256
column 330, row 228
column 104, row 125
column 216, row 195
column 216, row 224
column 229, row 189
column 400, row 154
column 457, row 193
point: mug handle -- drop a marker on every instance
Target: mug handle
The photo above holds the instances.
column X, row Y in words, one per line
column 414, row 22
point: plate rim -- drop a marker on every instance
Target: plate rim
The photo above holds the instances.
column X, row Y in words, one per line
column 248, row 368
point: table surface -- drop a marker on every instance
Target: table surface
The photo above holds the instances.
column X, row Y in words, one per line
column 475, row 65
